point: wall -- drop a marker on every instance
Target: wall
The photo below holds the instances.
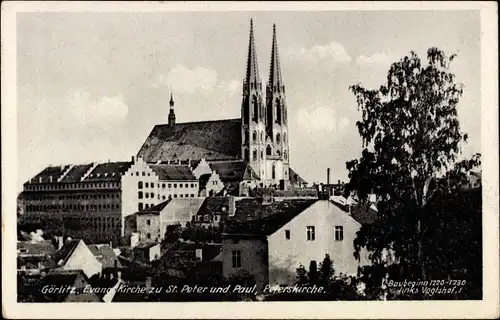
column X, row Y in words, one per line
column 285, row 256
column 82, row 258
column 177, row 189
column 279, row 171
column 153, row 229
column 253, row 258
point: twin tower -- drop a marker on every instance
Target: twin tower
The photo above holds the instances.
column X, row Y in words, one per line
column 264, row 119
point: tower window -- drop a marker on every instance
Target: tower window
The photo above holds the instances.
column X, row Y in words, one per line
column 247, row 154
column 254, row 136
column 255, row 109
column 246, row 137
column 278, row 138
column 268, row 150
column 255, row 155
column 262, row 136
column 274, row 172
column 285, row 154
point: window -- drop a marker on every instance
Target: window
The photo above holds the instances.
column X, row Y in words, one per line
column 186, row 195
column 175, row 196
column 254, row 155
column 140, row 194
column 163, row 185
column 152, row 185
column 175, row 185
column 268, row 150
column 287, row 234
column 148, row 222
column 262, row 154
column 140, row 206
column 139, row 185
column 181, row 195
column 254, row 136
column 206, row 218
column 310, row 233
column 192, row 185
column 143, row 173
column 152, row 195
column 273, row 173
column 147, row 195
column 170, row 185
column 339, row 233
column 192, row 195
column 278, row 138
column 147, row 185
column 148, row 235
column 236, row 259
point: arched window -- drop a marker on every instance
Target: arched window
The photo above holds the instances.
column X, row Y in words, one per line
column 262, row 136
column 246, row 137
column 246, row 111
column 285, row 154
column 254, row 154
column 278, row 111
column 274, row 172
column 278, row 138
column 247, row 154
column 278, row 153
column 262, row 154
column 268, row 150
column 254, row 136
column 255, row 109
column 284, row 138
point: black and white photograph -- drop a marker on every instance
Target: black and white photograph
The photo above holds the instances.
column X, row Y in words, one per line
column 270, row 155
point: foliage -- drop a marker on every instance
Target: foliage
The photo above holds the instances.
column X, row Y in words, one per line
column 412, row 143
column 326, row 270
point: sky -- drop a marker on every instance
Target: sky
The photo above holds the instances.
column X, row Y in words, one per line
column 91, row 86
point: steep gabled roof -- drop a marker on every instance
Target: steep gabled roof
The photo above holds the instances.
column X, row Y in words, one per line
column 234, row 171
column 66, row 251
column 295, row 178
column 38, row 248
column 156, row 209
column 50, row 171
column 173, row 172
column 263, row 219
column 105, row 255
column 209, row 140
column 213, row 205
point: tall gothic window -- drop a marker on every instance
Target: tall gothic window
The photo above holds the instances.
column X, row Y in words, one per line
column 246, row 111
column 278, row 138
column 261, row 136
column 285, row 154
column 269, row 150
column 254, row 136
column 247, row 154
column 274, row 172
column 284, row 138
column 246, row 137
column 278, row 111
column 278, row 153
column 254, row 155
column 255, row 109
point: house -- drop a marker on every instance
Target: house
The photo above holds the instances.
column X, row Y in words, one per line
column 35, row 256
column 152, row 223
column 111, row 266
column 75, row 255
column 214, row 210
column 277, row 238
column 147, row 252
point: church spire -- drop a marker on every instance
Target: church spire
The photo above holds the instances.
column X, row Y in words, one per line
column 275, row 70
column 171, row 114
column 252, row 75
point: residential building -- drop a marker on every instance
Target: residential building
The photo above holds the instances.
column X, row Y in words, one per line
column 270, row 241
column 152, row 223
column 75, row 255
column 147, row 252
column 214, row 210
column 33, row 257
column 111, row 266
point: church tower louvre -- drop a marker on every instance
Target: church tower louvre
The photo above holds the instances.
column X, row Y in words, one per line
column 253, row 112
column 277, row 147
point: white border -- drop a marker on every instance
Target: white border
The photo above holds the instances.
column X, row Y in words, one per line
column 487, row 308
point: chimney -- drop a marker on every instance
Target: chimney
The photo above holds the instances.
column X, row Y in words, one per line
column 133, row 158
column 338, row 182
column 328, row 176
column 199, row 254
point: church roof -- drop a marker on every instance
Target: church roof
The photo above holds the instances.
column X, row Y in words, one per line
column 234, row 171
column 173, row 172
column 209, row 140
column 275, row 79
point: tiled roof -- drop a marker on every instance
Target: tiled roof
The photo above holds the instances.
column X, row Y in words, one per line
column 65, row 252
column 156, row 209
column 234, row 171
column 294, row 177
column 213, row 205
column 45, row 174
column 39, row 248
column 146, row 245
column 110, row 171
column 105, row 255
column 264, row 219
column 363, row 213
column 76, row 173
column 209, row 140
column 173, row 172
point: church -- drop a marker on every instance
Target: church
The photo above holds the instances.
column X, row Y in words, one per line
column 247, row 152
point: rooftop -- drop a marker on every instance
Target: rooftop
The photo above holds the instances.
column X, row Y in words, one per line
column 173, row 172
column 209, row 140
column 105, row 255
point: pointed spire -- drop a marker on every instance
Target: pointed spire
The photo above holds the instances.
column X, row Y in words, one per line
column 252, row 75
column 171, row 100
column 275, row 79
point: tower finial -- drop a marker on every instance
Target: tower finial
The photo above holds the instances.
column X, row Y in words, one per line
column 171, row 99
column 275, row 69
column 252, row 75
